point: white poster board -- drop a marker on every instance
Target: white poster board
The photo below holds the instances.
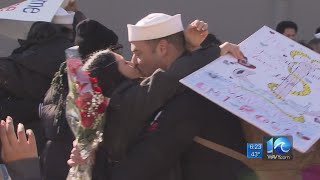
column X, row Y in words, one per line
column 16, row 20
column 278, row 91
column 31, row 10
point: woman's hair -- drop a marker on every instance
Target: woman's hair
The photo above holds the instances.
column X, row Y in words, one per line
column 103, row 66
column 78, row 17
column 92, row 36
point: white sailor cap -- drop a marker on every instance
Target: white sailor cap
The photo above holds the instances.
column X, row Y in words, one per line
column 154, row 26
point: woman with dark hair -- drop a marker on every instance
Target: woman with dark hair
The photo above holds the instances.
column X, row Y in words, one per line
column 90, row 36
column 104, row 66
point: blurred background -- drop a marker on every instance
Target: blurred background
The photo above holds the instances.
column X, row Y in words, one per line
column 229, row 20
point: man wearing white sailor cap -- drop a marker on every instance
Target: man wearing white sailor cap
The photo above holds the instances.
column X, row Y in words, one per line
column 166, row 150
column 163, row 35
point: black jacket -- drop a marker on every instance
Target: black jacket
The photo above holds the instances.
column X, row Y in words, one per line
column 26, row 74
column 156, row 154
column 131, row 109
column 31, row 67
column 53, row 111
column 132, row 105
column 57, row 132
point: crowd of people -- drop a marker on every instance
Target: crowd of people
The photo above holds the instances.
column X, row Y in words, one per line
column 151, row 121
column 290, row 30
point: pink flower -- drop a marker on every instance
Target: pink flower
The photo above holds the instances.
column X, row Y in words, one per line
column 84, row 101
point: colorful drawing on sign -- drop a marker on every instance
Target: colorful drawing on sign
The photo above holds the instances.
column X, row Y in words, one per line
column 276, row 88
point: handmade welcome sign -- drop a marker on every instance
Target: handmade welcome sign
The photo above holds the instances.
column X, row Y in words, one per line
column 31, row 10
column 16, row 20
column 276, row 90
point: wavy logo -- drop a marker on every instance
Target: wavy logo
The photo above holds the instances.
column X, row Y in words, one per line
column 280, row 145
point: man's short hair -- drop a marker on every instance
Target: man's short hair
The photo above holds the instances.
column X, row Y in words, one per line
column 283, row 25
column 176, row 39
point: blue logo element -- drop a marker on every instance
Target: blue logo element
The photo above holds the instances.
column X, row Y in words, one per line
column 254, row 150
column 270, row 146
column 281, row 145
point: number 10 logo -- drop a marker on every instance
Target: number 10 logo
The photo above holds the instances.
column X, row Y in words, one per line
column 277, row 147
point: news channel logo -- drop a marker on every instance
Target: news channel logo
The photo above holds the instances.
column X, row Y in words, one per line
column 272, row 148
column 278, row 148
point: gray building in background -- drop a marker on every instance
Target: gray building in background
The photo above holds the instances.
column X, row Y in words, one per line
column 229, row 20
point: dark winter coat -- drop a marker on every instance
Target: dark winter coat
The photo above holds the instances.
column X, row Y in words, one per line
column 26, row 74
column 129, row 151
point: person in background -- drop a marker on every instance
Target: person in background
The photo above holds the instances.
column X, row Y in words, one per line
column 314, row 44
column 288, row 29
column 317, row 33
column 304, row 43
column 26, row 74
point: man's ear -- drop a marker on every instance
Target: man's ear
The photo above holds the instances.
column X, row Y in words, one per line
column 163, row 47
